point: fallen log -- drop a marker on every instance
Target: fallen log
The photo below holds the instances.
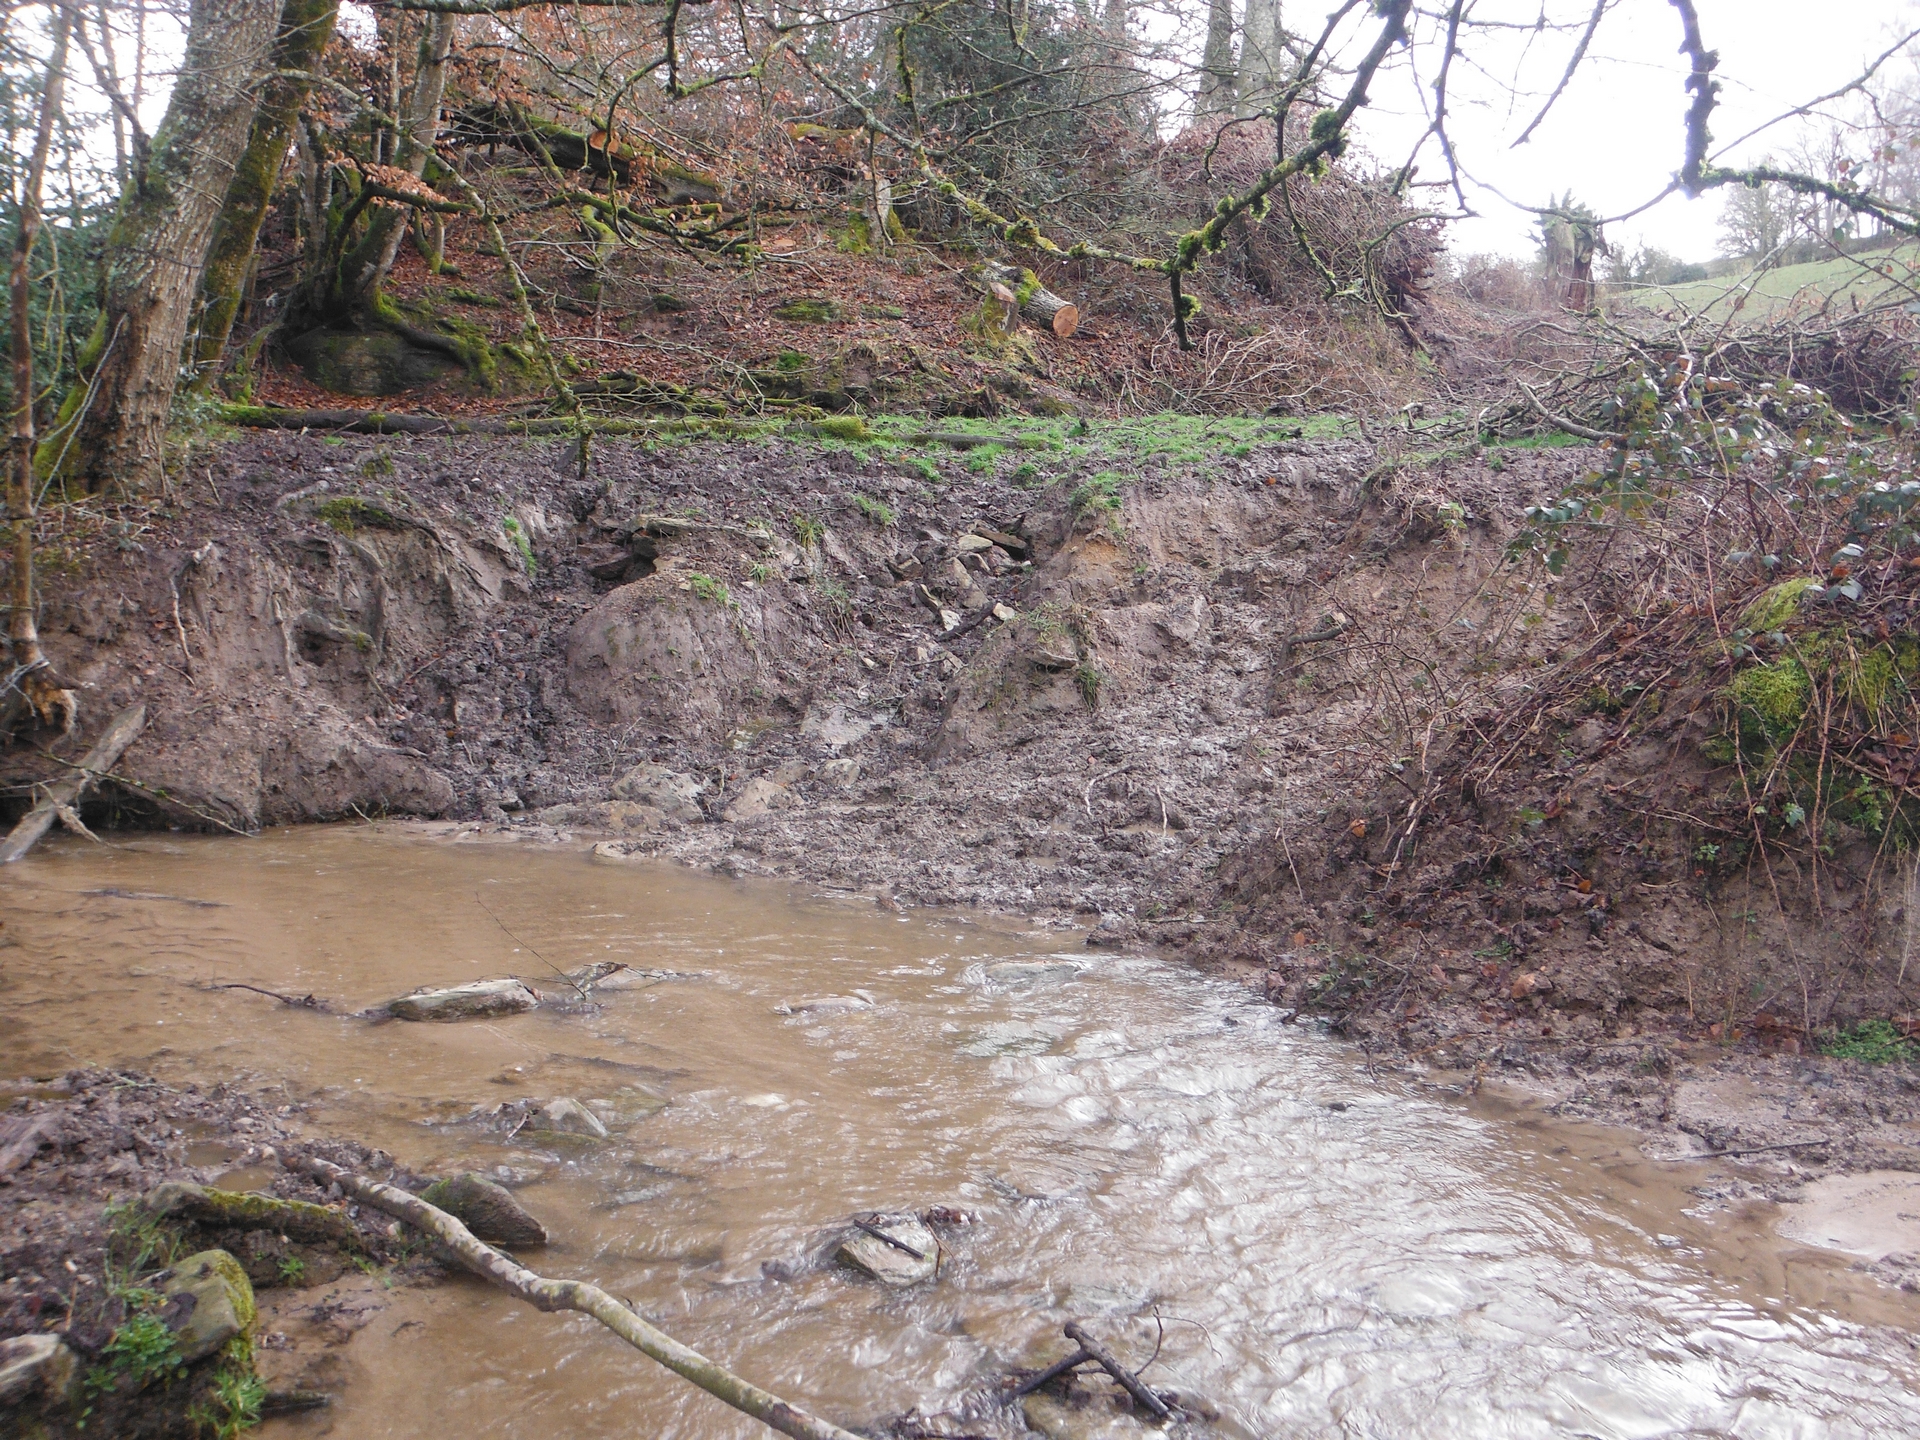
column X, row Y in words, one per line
column 1036, row 302
column 64, row 794
column 487, row 122
column 227, row 1209
column 550, row 1295
column 381, row 422
column 967, row 440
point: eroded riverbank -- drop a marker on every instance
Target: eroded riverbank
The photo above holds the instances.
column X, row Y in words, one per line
column 1330, row 1248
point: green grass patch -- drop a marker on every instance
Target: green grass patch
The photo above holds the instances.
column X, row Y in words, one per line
column 878, row 511
column 1874, row 1041
column 1097, row 493
column 1874, row 276
column 705, row 587
column 1189, row 441
column 141, row 1352
column 516, row 532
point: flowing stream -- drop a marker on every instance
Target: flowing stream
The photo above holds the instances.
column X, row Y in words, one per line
column 1327, row 1253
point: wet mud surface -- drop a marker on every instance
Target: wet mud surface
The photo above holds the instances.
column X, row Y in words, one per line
column 963, row 679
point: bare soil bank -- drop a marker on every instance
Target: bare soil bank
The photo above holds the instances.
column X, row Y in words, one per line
column 1207, row 703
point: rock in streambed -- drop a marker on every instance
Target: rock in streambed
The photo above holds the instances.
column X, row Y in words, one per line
column 480, row 999
column 486, row 1209
column 893, row 1249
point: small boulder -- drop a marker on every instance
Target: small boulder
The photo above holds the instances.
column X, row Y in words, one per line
column 567, row 1116
column 207, row 1301
column 36, row 1367
column 668, row 791
column 889, row 1264
column 466, row 1002
column 486, row 1209
column 839, row 774
column 757, row 797
column 973, row 544
column 1012, row 544
column 628, row 1105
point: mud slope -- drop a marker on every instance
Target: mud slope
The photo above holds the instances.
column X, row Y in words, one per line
column 1191, row 706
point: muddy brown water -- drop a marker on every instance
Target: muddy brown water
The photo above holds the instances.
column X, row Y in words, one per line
column 1328, row 1253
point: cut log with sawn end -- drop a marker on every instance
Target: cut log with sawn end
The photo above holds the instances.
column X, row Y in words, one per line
column 1036, row 302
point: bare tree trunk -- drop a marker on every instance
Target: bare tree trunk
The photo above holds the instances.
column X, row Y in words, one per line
column 306, row 28
column 50, row 702
column 365, row 267
column 112, row 427
column 1262, row 56
column 1117, row 20
column 1216, row 62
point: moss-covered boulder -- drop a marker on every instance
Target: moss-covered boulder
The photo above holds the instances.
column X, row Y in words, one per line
column 486, row 1209
column 203, row 1205
column 207, row 1301
column 370, row 362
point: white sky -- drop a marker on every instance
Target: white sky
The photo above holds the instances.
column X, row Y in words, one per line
column 1615, row 137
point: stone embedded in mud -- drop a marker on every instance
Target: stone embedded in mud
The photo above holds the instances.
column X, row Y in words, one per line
column 757, row 797
column 668, row 791
column 486, row 1209
column 207, row 1301
column 973, row 544
column 1012, row 544
column 890, row 1265
column 839, row 774
column 466, row 1002
column 36, row 1366
column 567, row 1116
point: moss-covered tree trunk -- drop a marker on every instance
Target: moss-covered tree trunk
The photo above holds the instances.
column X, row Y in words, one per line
column 353, row 265
column 306, row 29
column 112, row 427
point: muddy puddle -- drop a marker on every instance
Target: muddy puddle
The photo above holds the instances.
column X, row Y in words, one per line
column 1326, row 1253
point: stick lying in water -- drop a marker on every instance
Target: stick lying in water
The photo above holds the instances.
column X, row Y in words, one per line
column 1128, row 1380
column 543, row 1294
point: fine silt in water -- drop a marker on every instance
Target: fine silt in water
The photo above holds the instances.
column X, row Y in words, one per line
column 1317, row 1251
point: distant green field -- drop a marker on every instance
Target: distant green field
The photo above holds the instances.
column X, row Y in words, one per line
column 1876, row 275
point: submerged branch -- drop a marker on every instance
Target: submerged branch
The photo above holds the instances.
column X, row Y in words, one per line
column 550, row 1295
